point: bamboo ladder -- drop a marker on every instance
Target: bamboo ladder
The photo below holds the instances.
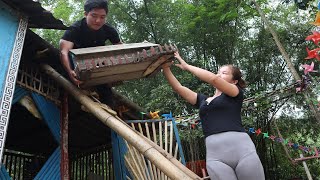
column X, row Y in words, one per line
column 164, row 161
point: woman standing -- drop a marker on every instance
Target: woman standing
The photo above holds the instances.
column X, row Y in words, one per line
column 231, row 155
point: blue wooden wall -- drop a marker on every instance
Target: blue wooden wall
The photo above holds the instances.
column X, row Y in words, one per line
column 9, row 23
column 12, row 33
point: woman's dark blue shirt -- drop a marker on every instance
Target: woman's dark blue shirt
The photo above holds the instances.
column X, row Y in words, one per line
column 222, row 114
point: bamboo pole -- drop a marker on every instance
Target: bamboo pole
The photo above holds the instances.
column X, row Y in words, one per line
column 155, row 141
column 286, row 58
column 306, row 168
column 133, row 172
column 284, row 146
column 171, row 137
column 161, row 144
column 176, row 151
column 135, row 162
column 162, row 162
column 140, row 157
column 151, row 166
column 166, row 140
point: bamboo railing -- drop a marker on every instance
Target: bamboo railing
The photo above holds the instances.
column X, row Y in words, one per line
column 164, row 133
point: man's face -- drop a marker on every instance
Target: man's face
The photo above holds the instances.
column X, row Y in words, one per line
column 96, row 18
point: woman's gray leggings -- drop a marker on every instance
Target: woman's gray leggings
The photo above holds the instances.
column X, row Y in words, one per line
column 233, row 156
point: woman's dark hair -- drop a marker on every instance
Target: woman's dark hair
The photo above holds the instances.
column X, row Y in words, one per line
column 237, row 75
column 91, row 4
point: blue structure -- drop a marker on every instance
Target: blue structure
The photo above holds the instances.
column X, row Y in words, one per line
column 13, row 30
column 33, row 147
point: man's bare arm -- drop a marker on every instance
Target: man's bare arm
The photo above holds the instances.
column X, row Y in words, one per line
column 65, row 47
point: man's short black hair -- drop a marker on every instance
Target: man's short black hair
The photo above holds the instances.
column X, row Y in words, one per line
column 91, row 4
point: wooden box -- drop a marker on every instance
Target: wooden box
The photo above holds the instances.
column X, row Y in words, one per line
column 115, row 63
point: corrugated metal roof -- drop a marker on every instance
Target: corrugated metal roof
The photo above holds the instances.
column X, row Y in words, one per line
column 38, row 16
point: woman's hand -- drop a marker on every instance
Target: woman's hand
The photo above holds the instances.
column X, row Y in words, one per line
column 166, row 65
column 183, row 65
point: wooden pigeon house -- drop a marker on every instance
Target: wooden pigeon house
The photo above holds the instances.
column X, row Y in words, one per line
column 111, row 64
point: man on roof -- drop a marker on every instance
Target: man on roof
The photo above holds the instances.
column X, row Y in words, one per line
column 90, row 31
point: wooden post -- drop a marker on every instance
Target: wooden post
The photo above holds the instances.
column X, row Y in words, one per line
column 149, row 151
column 306, row 168
column 286, row 58
column 64, row 166
column 13, row 30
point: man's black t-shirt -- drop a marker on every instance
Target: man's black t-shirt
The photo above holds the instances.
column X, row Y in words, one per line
column 82, row 36
column 222, row 114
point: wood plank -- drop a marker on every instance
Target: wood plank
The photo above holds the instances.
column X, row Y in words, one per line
column 112, row 79
column 119, row 47
column 114, row 70
column 156, row 64
column 116, row 73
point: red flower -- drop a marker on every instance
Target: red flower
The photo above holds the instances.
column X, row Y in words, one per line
column 313, row 54
column 315, row 37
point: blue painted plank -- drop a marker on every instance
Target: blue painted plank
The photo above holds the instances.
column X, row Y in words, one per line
column 176, row 133
column 116, row 156
column 123, row 151
column 19, row 93
column 4, row 175
column 51, row 169
column 9, row 23
column 51, row 114
column 119, row 149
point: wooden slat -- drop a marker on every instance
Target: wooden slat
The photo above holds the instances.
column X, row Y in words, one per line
column 151, row 166
column 142, row 160
column 134, row 173
column 135, row 162
column 156, row 64
column 171, row 137
column 166, row 136
column 98, row 49
column 112, row 78
column 156, row 170
column 118, row 69
column 136, row 159
column 176, row 151
column 154, row 133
